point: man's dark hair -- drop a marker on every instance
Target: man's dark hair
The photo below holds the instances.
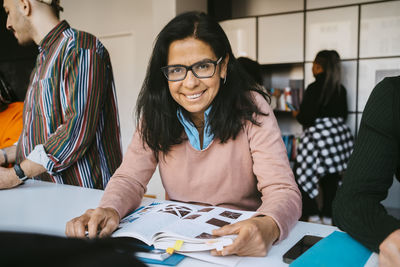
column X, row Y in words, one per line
column 56, row 8
column 156, row 110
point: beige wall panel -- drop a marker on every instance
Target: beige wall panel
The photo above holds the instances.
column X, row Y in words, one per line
column 242, row 36
column 280, row 38
column 332, row 29
column 380, row 30
column 330, row 3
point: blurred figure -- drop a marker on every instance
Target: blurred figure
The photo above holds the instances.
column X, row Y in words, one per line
column 10, row 121
column 252, row 68
column 357, row 208
column 327, row 142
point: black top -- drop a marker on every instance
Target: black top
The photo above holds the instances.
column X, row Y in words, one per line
column 311, row 110
column 357, row 208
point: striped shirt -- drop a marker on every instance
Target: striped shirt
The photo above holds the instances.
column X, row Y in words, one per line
column 71, row 124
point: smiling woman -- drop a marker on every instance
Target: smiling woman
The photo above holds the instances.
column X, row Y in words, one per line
column 197, row 88
column 210, row 129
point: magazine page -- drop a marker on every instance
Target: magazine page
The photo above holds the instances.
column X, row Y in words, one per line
column 146, row 221
column 195, row 228
column 136, row 225
column 162, row 223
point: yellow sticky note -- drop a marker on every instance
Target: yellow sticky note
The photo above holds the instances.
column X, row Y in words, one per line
column 170, row 250
column 177, row 246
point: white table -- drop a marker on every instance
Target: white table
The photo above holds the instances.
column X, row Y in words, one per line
column 41, row 207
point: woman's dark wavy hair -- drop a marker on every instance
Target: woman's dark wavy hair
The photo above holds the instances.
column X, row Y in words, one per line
column 156, row 110
column 329, row 60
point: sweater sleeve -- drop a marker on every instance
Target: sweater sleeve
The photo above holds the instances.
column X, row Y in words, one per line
column 281, row 198
column 127, row 186
column 357, row 208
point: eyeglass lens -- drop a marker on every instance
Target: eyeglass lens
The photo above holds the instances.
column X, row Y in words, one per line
column 200, row 70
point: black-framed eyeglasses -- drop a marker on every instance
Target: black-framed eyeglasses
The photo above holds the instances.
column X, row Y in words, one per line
column 203, row 69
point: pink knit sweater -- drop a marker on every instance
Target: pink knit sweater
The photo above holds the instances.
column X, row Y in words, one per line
column 251, row 172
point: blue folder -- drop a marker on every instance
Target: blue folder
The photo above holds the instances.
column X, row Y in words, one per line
column 337, row 249
column 172, row 260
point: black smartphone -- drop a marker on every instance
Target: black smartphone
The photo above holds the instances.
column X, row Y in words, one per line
column 300, row 247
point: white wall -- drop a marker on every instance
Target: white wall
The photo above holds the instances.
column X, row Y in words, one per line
column 127, row 28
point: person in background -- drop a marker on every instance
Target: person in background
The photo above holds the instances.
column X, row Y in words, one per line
column 326, row 143
column 357, row 208
column 10, row 121
column 209, row 128
column 71, row 129
column 253, row 68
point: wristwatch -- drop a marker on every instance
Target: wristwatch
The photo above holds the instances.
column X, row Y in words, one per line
column 20, row 173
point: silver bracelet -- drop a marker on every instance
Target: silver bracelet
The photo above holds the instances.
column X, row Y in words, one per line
column 5, row 157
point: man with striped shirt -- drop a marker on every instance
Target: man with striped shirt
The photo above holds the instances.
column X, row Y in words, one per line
column 71, row 128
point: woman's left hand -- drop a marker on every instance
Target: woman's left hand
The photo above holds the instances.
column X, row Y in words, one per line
column 255, row 237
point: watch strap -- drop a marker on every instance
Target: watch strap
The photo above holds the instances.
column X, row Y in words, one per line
column 20, row 173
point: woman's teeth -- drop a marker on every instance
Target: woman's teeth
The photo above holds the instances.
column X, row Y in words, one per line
column 194, row 96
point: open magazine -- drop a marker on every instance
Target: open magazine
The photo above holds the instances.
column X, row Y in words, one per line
column 161, row 224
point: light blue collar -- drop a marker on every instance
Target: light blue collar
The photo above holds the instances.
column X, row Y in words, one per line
column 192, row 132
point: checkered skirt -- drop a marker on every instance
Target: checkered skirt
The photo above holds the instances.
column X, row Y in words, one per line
column 323, row 149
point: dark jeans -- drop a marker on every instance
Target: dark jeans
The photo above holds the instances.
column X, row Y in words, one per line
column 328, row 185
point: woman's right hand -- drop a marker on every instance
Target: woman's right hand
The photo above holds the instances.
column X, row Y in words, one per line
column 97, row 222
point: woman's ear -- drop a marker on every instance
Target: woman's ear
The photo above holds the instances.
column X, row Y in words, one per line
column 224, row 67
